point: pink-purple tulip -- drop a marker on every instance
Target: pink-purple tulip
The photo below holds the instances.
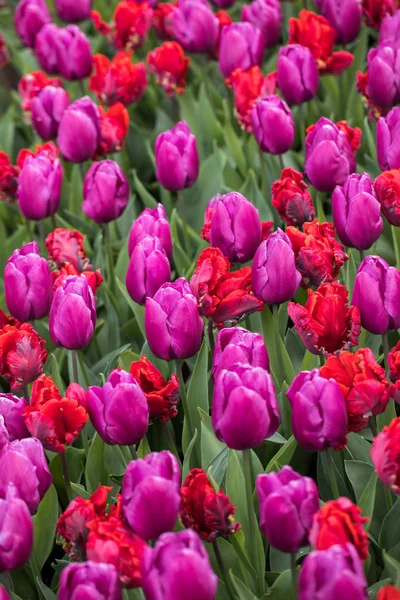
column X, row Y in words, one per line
column 238, row 345
column 345, row 16
column 389, row 32
column 177, row 159
column 12, row 423
column 148, row 269
column 153, row 223
column 47, row 109
column 195, row 26
column 273, row 124
column 45, row 48
column 89, row 581
column 79, row 130
column 16, row 532
column 3, row 594
column 297, row 74
column 65, row 51
column 267, row 16
column 241, row 47
column 30, row 16
column 384, row 75
column 105, row 192
column 388, row 140
column 71, row 11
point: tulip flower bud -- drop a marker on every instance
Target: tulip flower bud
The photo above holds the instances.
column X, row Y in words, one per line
column 248, row 45
column 47, row 109
column 345, row 16
column 30, row 16
column 298, row 76
column 153, row 223
column 388, row 140
column 45, row 48
column 288, row 502
column 97, row 581
column 273, row 124
column 195, row 26
column 148, row 484
column 12, row 423
column 385, row 455
column 65, row 51
column 357, row 212
column 383, row 75
column 148, row 269
column 274, row 277
column 174, row 328
column 105, row 192
column 389, row 31
column 387, row 189
column 235, row 227
column 177, row 159
column 79, row 130
column 311, row 395
column 267, row 16
column 376, row 292
column 187, row 568
column 237, row 345
column 73, row 314
column 28, row 285
column 291, row 198
column 119, row 410
column 16, row 531
column 71, row 11
column 245, row 409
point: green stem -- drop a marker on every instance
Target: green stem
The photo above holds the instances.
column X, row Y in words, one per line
column 372, row 426
column 246, row 454
column 110, row 258
column 174, row 109
column 396, row 244
column 362, row 255
column 210, row 334
column 170, row 441
column 281, row 163
column 133, row 452
column 184, row 398
column 82, row 170
column 53, row 221
column 320, row 206
column 82, row 87
column 181, row 212
column 302, row 125
column 293, row 568
column 263, row 175
column 26, row 393
column 224, row 575
column 28, row 230
column 385, row 343
column 332, row 475
column 75, row 372
column 67, row 480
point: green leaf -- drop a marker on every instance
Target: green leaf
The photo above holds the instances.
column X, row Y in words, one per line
column 137, row 310
column 75, row 191
column 366, row 502
column 105, row 364
column 279, row 357
column 241, row 590
column 52, row 365
column 7, row 130
column 96, row 473
column 79, row 490
column 211, row 447
column 197, row 393
column 283, row 587
column 45, row 527
column 389, row 535
column 283, row 456
column 359, row 473
column 188, row 455
column 144, row 448
column 358, row 448
column 393, row 568
column 148, row 200
column 45, row 592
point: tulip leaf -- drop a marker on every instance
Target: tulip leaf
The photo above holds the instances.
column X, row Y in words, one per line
column 7, row 130
column 45, row 527
column 211, row 447
column 243, row 592
column 359, row 473
column 389, row 536
column 137, row 310
column 281, row 364
column 366, row 502
column 358, row 448
column 106, row 363
column 96, row 472
column 148, row 200
column 282, row 588
column 198, row 387
column 283, row 456
column 79, row 490
column 393, row 568
column 387, row 416
column 45, row 592
column 135, row 594
column 187, row 464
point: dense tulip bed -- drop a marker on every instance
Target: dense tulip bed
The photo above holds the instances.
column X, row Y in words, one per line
column 200, row 300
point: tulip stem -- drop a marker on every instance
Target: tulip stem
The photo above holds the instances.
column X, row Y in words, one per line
column 132, row 449
column 75, row 372
column 53, row 221
column 174, row 109
column 26, row 393
column 250, row 535
column 263, row 174
column 110, row 258
column 211, row 337
column 332, row 475
column 82, row 88
column 170, row 441
column 293, row 568
column 302, row 125
column 385, row 344
column 372, row 426
column 362, row 255
column 281, row 163
column 67, row 480
column 181, row 211
column 183, row 395
column 221, row 566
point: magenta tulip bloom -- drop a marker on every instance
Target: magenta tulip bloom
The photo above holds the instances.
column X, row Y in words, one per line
column 273, row 124
column 384, row 75
column 16, row 532
column 241, row 47
column 389, row 32
column 79, row 131
column 28, row 284
column 177, row 159
column 153, row 223
column 89, row 581
column 65, row 51
column 237, row 345
column 195, row 26
column 12, row 423
column 72, row 11
column 45, row 48
column 30, row 16
column 223, row 4
column 267, row 16
column 388, row 140
column 39, row 186
column 148, row 269
column 105, row 192
column 3, row 593
column 47, row 109
column 298, row 76
column 345, row 16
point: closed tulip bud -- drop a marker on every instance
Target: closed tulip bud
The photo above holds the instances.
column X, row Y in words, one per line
column 383, row 75
column 30, row 16
column 235, row 227
column 288, row 502
column 388, row 140
column 45, row 48
column 174, row 328
column 267, row 16
column 245, row 409
column 105, row 192
column 385, row 455
column 357, row 212
column 119, row 410
column 195, row 26
column 298, row 76
column 345, row 16
column 186, row 573
column 389, row 31
column 79, row 130
column 153, row 223
column 291, row 198
column 388, row 592
column 65, row 51
column 237, row 345
column 148, row 484
column 273, row 124
column 376, row 292
column 16, row 532
column 241, row 47
column 387, row 189
column 97, row 581
column 73, row 314
column 12, row 423
column 177, row 159
column 71, row 11
column 148, row 269
column 47, row 109
column 274, row 276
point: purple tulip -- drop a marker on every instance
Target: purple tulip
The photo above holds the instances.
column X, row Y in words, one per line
column 178, row 568
column 39, row 186
column 79, row 131
column 65, row 51
column 376, row 294
column 195, row 26
column 105, row 192
column 223, row 4
column 177, row 159
column 153, row 223
column 273, row 124
column 357, row 212
column 30, row 16
column 245, row 410
column 119, row 410
column 73, row 314
column 148, row 269
column 345, row 16
column 319, row 413
column 329, row 156
column 288, row 502
column 274, row 277
column 45, row 48
column 389, row 31
column 23, row 466
column 235, row 227
column 89, row 581
column 237, row 345
column 267, row 16
column 298, row 76
column 388, row 140
column 384, row 75
column 72, row 11
column 16, row 532
column 241, row 47
column 333, row 574
column 174, row 328
column 148, row 484
column 12, row 423
column 3, row 593
column 28, row 284
column 47, row 109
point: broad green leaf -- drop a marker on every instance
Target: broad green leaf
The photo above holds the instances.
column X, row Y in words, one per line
column 211, row 447
column 75, row 191
column 283, row 587
column 45, row 592
column 359, row 473
column 243, row 592
column 393, row 568
column 283, row 456
column 197, row 393
column 187, row 466
column 148, row 200
column 137, row 310
column 45, row 527
column 366, row 502
column 389, row 535
column 105, row 364
column 96, row 473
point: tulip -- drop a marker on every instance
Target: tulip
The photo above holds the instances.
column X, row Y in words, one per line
column 79, row 130
column 208, row 215
column 118, row 80
column 186, row 574
column 148, row 269
column 148, row 484
column 45, row 48
column 267, row 16
column 357, row 212
column 119, row 410
column 12, row 423
column 387, row 189
column 298, row 76
column 291, row 198
column 383, row 87
column 3, row 594
column 47, row 109
column 385, row 455
column 65, row 51
column 16, row 532
column 71, row 11
column 174, row 328
column 153, row 223
column 195, row 26
column 241, row 47
column 389, row 31
column 344, row 15
column 223, row 4
column 235, row 227
column 376, row 292
column 170, row 66
column 237, row 345
column 105, row 192
column 319, row 415
column 388, row 592
column 162, row 395
column 73, row 314
column 177, row 159
column 28, row 285
column 30, row 16
column 245, row 409
column 274, row 277
column 332, row 574
column 388, row 140
column 273, row 124
column 288, row 502
column 97, row 581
